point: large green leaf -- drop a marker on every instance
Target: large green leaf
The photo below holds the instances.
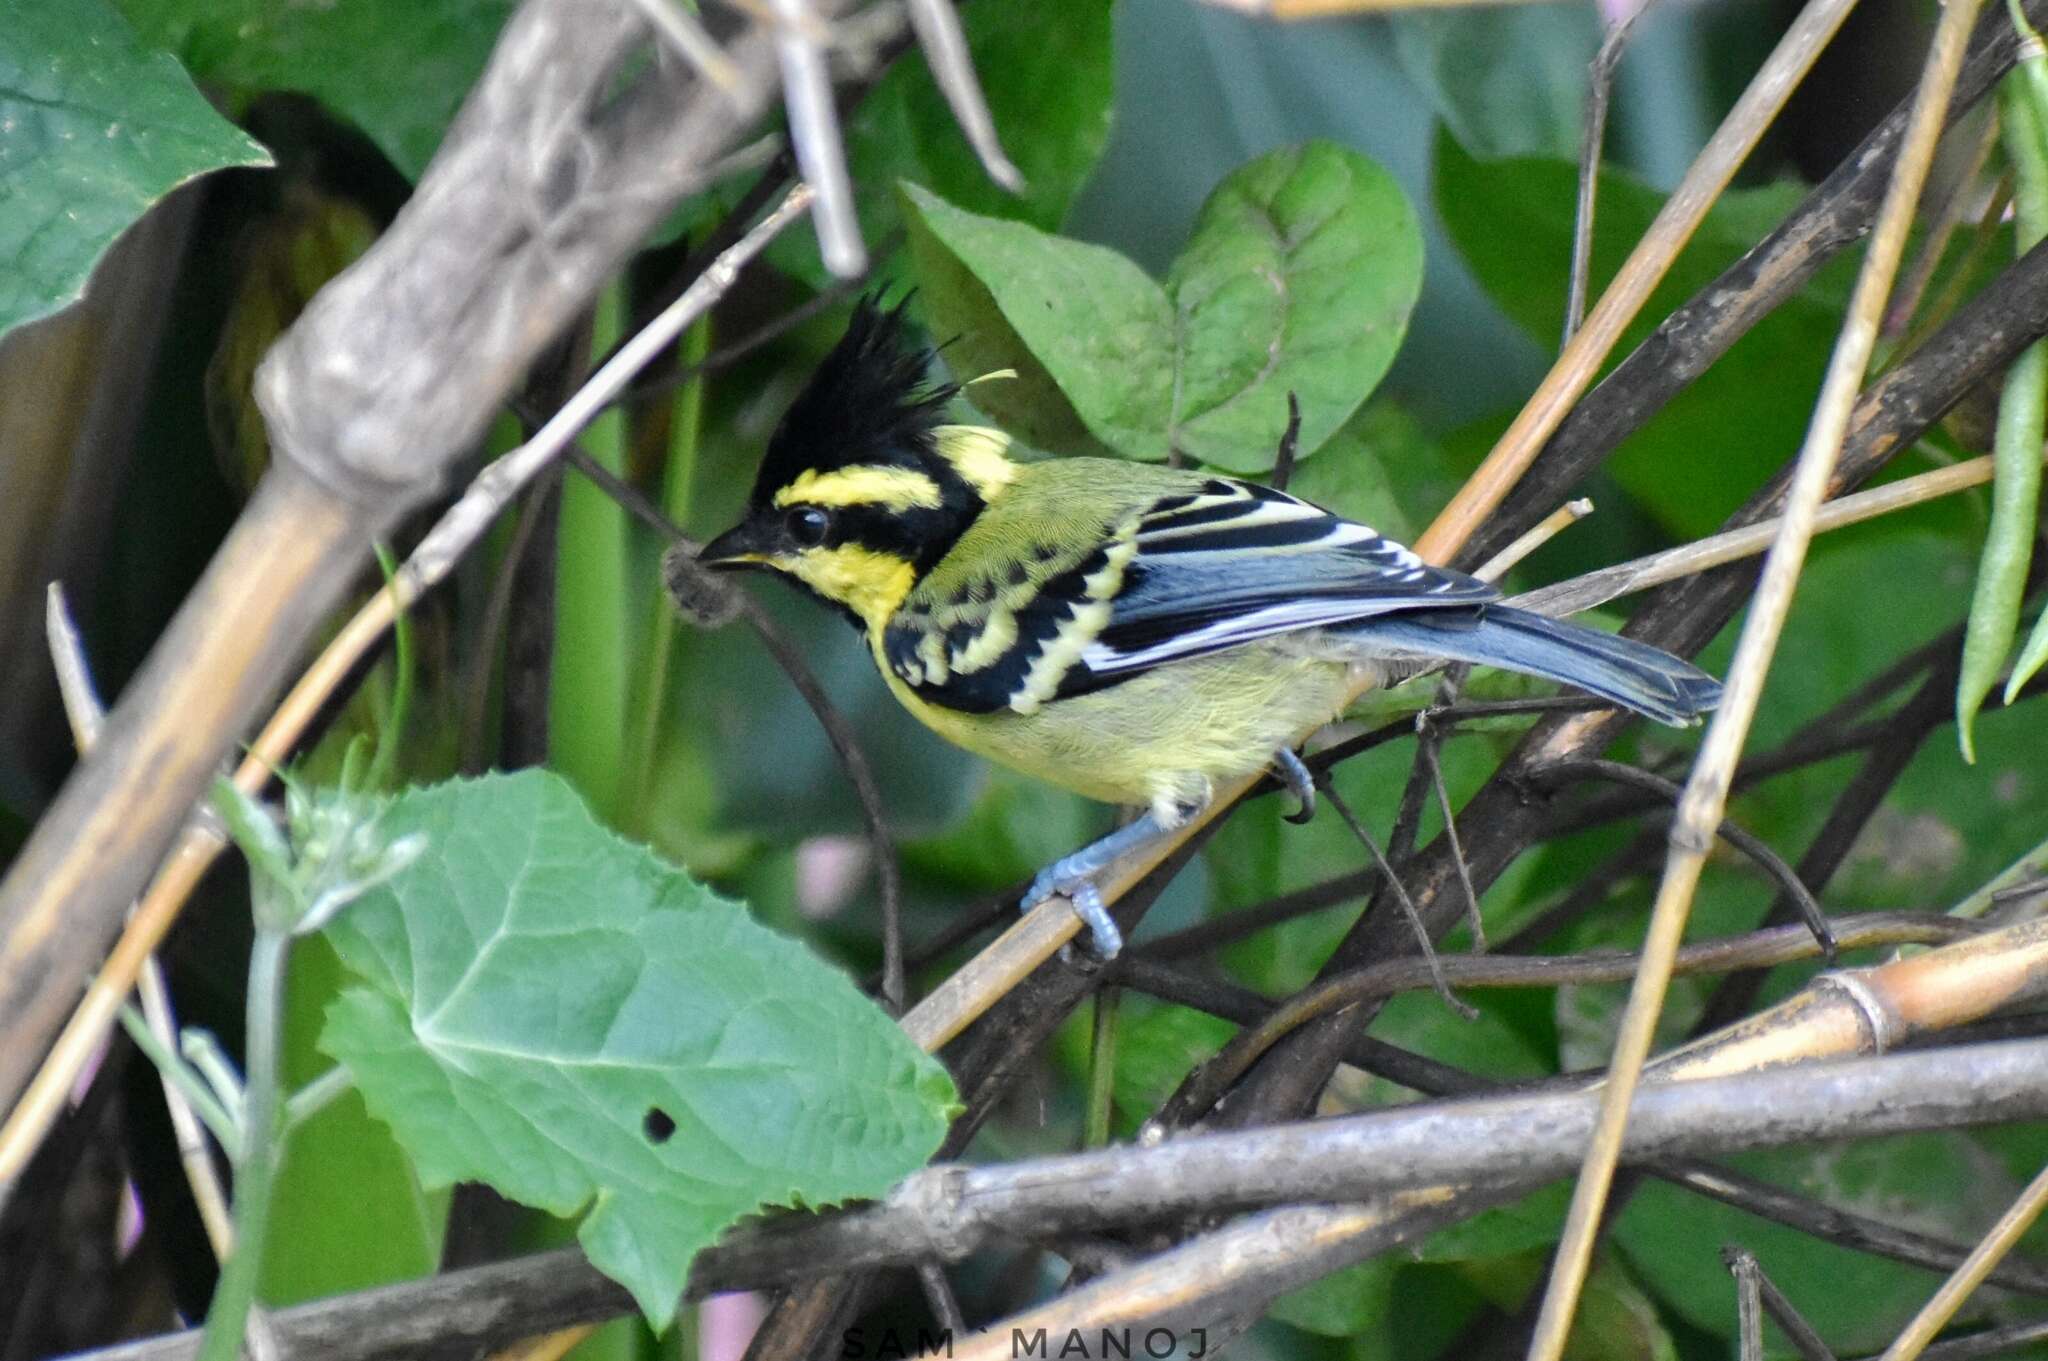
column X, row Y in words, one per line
column 554, row 1011
column 397, row 69
column 1299, row 277
column 94, row 128
column 1714, row 443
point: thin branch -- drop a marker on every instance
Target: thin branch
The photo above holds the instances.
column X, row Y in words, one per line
column 1639, row 574
column 814, row 128
column 1241, row 922
column 1423, row 944
column 1706, row 792
column 1914, row 285
column 1760, row 1295
column 1858, row 1233
column 1759, row 949
column 1990, row 1342
column 938, row 1293
column 683, row 33
column 1592, row 141
column 86, row 714
column 1898, row 739
column 945, row 50
column 1749, row 1304
column 1769, row 861
column 1563, row 518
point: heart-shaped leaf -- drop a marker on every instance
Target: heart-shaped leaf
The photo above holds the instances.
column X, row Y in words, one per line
column 1299, row 277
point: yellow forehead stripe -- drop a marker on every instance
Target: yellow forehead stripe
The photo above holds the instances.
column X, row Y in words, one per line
column 867, row 485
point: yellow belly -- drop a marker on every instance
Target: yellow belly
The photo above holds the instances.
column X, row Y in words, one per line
column 1163, row 738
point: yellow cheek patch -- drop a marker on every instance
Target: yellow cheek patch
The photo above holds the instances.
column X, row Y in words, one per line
column 893, row 489
column 870, row 584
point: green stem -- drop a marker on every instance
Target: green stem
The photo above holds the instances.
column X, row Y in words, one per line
column 262, row 1145
column 686, row 428
column 309, row 1100
column 1101, row 1069
column 386, row 758
column 180, row 1074
column 2022, row 414
column 587, row 694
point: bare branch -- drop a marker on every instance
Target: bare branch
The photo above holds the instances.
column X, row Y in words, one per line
column 1403, row 1159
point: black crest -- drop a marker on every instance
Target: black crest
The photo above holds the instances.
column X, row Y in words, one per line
column 870, row 401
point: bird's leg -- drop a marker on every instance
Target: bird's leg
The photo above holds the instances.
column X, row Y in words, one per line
column 1299, row 781
column 1074, row 876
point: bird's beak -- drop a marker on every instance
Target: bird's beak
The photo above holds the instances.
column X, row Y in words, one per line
column 738, row 547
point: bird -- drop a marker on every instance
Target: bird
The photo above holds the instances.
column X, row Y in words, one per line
column 1137, row 633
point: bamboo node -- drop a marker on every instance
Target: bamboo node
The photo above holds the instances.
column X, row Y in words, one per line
column 1883, row 1026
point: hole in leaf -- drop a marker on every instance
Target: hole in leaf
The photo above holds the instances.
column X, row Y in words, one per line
column 659, row 1124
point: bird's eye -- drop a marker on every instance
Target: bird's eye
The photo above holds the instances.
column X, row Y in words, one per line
column 807, row 525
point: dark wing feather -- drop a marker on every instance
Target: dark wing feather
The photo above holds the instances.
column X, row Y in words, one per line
column 1243, row 562
column 1190, row 575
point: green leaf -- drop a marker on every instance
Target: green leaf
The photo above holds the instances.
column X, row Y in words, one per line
column 1615, row 1320
column 1521, row 1226
column 397, row 69
column 94, row 128
column 1714, row 443
column 1299, row 277
column 1014, row 827
column 1156, row 1047
column 554, row 1011
column 1083, row 315
column 1506, row 81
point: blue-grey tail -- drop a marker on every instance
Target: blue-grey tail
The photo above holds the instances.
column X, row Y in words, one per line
column 1634, row 675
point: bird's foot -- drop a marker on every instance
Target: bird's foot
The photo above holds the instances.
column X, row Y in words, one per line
column 1295, row 776
column 1105, row 941
column 1073, row 876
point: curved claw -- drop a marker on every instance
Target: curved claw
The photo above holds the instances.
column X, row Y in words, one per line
column 1300, row 782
